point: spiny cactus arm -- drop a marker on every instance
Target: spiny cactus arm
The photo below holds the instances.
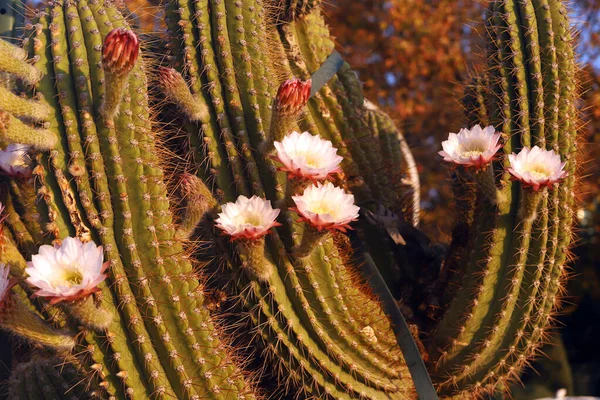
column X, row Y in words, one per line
column 339, row 107
column 14, row 223
column 13, row 130
column 46, row 379
column 12, row 51
column 21, row 107
column 311, row 322
column 504, row 329
column 475, row 101
column 397, row 162
column 14, row 63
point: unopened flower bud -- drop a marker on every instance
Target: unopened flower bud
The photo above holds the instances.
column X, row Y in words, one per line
column 292, row 96
column 120, row 51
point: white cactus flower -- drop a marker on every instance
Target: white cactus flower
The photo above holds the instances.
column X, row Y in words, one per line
column 307, row 156
column 5, row 282
column 69, row 271
column 247, row 218
column 326, row 207
column 13, row 160
column 536, row 167
column 474, row 147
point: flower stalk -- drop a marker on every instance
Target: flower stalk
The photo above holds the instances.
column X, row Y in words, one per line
column 291, row 98
column 119, row 55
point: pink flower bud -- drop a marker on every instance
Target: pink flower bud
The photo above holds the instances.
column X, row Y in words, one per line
column 120, row 51
column 293, row 95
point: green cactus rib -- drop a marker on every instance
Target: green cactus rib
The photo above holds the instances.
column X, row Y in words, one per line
column 475, row 101
column 161, row 342
column 516, row 294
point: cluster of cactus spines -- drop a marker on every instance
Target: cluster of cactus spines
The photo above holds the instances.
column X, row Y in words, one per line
column 511, row 285
column 237, row 74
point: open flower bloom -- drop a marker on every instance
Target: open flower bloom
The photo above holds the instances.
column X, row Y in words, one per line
column 247, row 218
column 307, row 156
column 69, row 271
column 13, row 160
column 5, row 282
column 475, row 147
column 326, row 207
column 536, row 167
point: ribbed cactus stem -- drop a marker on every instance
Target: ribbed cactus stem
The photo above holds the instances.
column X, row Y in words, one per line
column 18, row 318
column 252, row 255
column 512, row 268
column 176, row 90
column 12, row 130
column 90, row 314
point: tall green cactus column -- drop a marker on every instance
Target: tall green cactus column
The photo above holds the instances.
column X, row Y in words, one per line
column 104, row 181
column 511, row 285
column 323, row 334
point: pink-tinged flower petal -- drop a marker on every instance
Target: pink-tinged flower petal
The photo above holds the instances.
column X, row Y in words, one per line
column 68, row 271
column 326, row 207
column 476, row 147
column 307, row 156
column 247, row 218
column 5, row 282
column 536, row 167
column 14, row 161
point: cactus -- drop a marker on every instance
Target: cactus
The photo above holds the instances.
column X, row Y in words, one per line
column 512, row 281
column 234, row 79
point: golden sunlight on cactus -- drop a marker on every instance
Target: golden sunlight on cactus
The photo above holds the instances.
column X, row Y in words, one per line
column 169, row 233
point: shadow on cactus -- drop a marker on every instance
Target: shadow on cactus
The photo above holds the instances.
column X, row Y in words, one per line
column 206, row 241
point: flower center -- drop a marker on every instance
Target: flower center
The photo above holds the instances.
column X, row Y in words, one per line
column 249, row 218
column 321, row 207
column 472, row 153
column 71, row 276
column 311, row 159
column 473, row 149
column 538, row 171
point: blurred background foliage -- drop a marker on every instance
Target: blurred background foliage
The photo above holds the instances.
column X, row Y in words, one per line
column 414, row 58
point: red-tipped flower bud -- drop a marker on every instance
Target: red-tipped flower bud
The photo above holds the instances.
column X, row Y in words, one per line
column 169, row 77
column 292, row 96
column 120, row 51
